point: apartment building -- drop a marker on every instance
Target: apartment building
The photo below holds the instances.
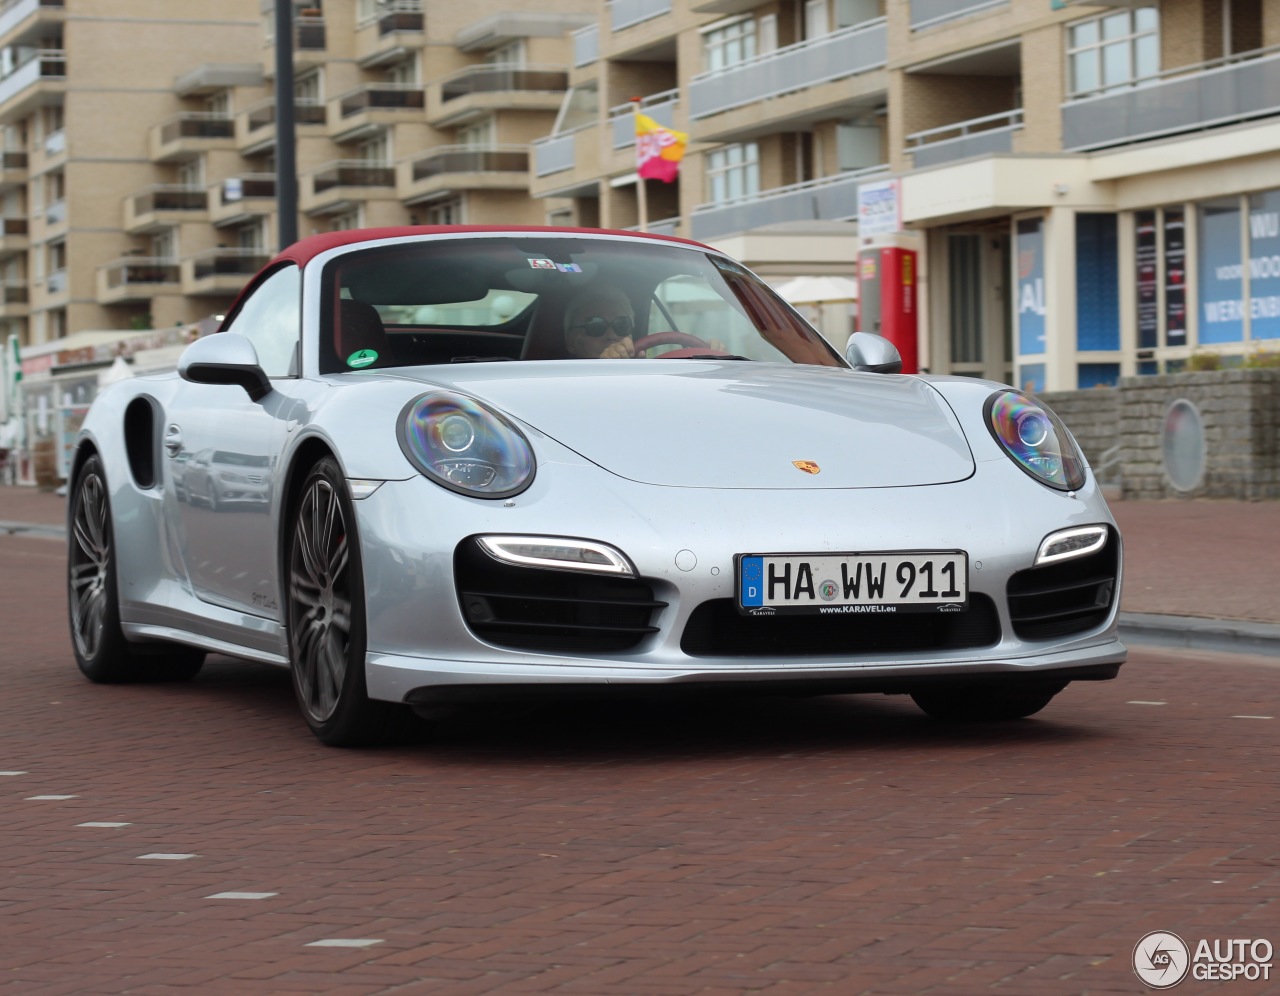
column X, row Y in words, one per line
column 137, row 176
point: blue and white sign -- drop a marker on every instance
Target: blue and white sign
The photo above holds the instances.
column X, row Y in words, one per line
column 879, row 208
column 1264, row 265
column 1221, row 273
column 1030, row 304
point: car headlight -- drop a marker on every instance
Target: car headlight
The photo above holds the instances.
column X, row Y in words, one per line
column 1035, row 439
column 465, row 447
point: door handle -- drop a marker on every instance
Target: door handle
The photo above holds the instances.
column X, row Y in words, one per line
column 173, row 440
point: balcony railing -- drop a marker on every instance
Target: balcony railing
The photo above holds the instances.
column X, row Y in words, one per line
column 55, row 143
column 659, row 106
column 16, row 294
column 14, row 12
column 34, row 66
column 194, row 124
column 401, row 15
column 352, row 173
column 382, row 96
column 13, row 160
column 555, row 153
column 132, row 270
column 170, row 197
column 663, row 226
column 238, row 188
column 13, row 226
column 233, row 262
column 310, row 34
column 926, row 13
column 586, row 45
column 462, row 159
column 56, row 283
column 1189, row 98
column 504, row 79
column 624, row 13
column 842, row 53
column 983, row 136
column 56, row 212
column 304, row 112
column 832, row 198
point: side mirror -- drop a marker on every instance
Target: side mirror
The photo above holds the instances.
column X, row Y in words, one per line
column 225, row 358
column 873, row 353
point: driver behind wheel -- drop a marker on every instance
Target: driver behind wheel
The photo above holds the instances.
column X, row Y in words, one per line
column 598, row 324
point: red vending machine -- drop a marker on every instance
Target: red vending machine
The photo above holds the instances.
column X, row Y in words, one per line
column 887, row 306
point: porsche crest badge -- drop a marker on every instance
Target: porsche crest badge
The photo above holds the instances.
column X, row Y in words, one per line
column 808, row 466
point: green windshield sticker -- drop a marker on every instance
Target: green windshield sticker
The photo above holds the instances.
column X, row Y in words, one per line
column 362, row 358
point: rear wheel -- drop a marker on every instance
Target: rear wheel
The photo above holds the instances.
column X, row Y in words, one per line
column 102, row 652
column 986, row 703
column 327, row 620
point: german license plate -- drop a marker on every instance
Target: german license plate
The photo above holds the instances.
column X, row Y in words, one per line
column 851, row 583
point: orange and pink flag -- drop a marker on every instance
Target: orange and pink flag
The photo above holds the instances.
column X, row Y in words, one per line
column 658, row 149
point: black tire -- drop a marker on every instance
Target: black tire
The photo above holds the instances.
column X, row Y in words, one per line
column 93, row 607
column 986, row 703
column 213, row 497
column 326, row 618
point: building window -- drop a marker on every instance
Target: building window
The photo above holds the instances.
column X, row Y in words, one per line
column 510, row 54
column 445, row 213
column 478, row 135
column 164, row 244
column 307, row 89
column 404, row 72
column 345, row 221
column 729, row 44
column 733, row 172
column 1114, row 50
column 376, row 150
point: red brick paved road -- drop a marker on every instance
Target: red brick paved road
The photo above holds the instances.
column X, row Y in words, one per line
column 830, row 845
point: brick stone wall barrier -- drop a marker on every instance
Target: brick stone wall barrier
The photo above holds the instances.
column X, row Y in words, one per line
column 1240, row 410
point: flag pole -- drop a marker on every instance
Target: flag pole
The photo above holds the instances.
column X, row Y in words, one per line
column 642, row 200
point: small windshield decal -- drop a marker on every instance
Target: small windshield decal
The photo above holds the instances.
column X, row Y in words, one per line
column 362, row 358
column 542, row 264
column 568, row 268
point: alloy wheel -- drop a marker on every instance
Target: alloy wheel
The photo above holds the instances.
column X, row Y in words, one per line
column 89, row 564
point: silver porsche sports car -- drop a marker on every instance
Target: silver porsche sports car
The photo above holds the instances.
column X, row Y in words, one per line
column 421, row 466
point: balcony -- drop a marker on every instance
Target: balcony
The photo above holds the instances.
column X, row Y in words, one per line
column 586, row 45
column 482, row 89
column 55, row 213
column 13, row 169
column 567, row 163
column 843, row 53
column 399, row 16
column 334, row 185
column 220, row 272
column 23, row 88
column 1190, row 98
column 13, row 13
column 831, row 198
column 376, row 104
column 659, row 106
column 309, row 33
column 985, row 136
column 137, row 278
column 663, row 226
column 255, row 127
column 164, row 205
column 460, row 167
column 237, row 199
column 13, row 237
column 928, row 13
column 13, row 300
column 56, row 283
column 191, row 133
column 55, row 143
column 380, row 38
column 625, row 13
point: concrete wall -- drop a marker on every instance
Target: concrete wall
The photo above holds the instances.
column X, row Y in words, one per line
column 1240, row 410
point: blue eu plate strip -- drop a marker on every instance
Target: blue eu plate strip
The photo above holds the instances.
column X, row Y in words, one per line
column 752, row 583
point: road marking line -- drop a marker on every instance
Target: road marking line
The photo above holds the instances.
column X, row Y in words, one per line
column 160, row 856
column 1142, row 702
column 242, row 895
column 1253, row 717
column 50, row 798
column 344, row 942
column 107, row 825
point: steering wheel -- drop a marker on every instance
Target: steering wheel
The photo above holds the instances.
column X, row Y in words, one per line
column 694, row 345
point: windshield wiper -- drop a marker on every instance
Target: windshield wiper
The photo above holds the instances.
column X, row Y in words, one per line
column 715, row 356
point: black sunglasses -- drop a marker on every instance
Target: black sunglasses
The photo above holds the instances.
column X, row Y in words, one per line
column 596, row 326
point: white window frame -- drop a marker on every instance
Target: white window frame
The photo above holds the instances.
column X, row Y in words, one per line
column 1094, row 49
column 447, row 212
column 727, row 162
column 727, row 43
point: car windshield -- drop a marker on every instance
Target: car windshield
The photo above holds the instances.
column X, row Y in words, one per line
column 540, row 297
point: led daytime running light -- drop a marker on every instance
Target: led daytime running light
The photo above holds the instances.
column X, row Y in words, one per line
column 1067, row 544
column 557, row 553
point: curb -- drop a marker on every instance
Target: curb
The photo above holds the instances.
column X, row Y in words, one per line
column 1231, row 636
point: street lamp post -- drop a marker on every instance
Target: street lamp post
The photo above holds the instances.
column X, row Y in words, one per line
column 286, row 135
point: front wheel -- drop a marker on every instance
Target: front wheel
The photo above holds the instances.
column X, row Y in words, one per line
column 326, row 618
column 994, row 702
column 102, row 652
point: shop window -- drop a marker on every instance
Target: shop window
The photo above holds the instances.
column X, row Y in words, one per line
column 1264, row 265
column 1097, row 375
column 1114, row 50
column 1221, row 272
column 1097, row 282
